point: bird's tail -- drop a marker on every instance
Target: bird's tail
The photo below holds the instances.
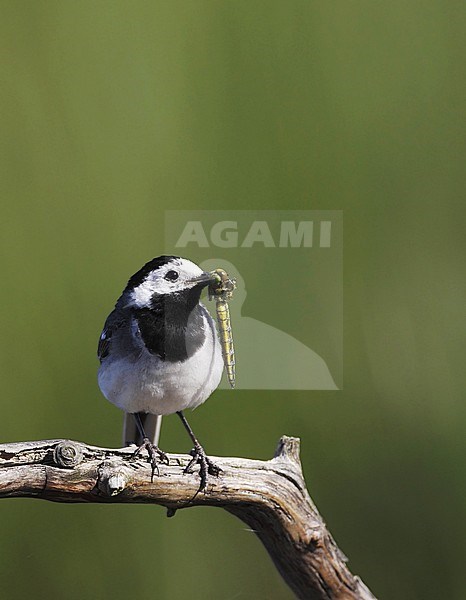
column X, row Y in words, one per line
column 151, row 424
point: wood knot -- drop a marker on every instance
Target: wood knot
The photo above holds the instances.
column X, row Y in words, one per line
column 112, row 479
column 288, row 447
column 314, row 541
column 67, row 454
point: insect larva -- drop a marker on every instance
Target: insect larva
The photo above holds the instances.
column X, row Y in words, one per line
column 222, row 291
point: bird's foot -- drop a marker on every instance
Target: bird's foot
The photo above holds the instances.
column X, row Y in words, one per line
column 156, row 456
column 206, row 466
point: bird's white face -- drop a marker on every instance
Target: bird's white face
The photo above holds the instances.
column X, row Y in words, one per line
column 175, row 276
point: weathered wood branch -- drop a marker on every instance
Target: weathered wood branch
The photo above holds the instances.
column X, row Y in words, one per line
column 270, row 496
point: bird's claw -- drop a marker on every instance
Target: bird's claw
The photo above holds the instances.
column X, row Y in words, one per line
column 156, row 456
column 206, row 466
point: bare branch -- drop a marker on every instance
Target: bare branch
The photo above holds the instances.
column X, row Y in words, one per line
column 270, row 496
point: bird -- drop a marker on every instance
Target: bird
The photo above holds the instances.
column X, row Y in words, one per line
column 160, row 353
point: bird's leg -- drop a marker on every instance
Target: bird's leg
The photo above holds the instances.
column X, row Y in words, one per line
column 155, row 454
column 206, row 466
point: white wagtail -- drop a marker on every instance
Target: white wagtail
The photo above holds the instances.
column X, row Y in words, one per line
column 160, row 352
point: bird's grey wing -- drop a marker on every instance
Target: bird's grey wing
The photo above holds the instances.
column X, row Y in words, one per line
column 114, row 322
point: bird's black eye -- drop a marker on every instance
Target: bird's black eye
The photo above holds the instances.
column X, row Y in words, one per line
column 171, row 276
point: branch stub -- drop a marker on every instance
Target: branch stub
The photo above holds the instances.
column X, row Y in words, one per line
column 67, row 454
column 112, row 479
column 288, row 448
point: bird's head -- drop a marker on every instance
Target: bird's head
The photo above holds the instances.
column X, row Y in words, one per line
column 166, row 277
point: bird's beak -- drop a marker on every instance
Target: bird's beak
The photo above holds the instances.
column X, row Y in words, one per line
column 203, row 279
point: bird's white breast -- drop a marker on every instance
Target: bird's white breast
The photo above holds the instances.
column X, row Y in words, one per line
column 142, row 382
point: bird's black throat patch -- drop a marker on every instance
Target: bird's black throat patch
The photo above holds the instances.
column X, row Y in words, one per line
column 173, row 327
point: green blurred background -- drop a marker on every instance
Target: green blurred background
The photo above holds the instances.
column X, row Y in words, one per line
column 113, row 112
